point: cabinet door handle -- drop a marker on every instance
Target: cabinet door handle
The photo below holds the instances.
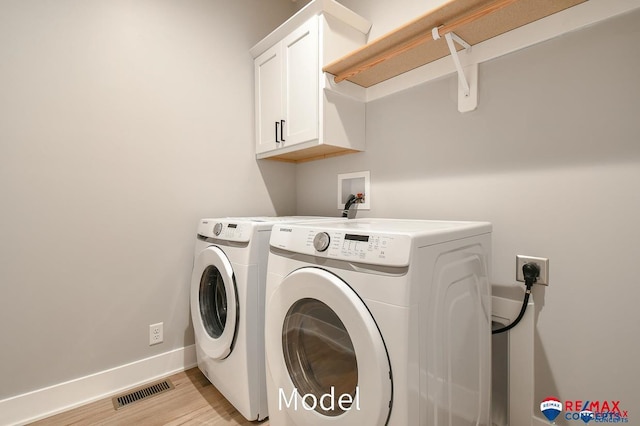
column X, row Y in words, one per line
column 277, row 141
column 282, row 130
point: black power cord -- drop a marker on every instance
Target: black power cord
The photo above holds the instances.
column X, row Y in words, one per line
column 350, row 201
column 531, row 272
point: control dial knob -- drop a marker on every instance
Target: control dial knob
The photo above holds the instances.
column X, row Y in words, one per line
column 321, row 241
column 217, row 229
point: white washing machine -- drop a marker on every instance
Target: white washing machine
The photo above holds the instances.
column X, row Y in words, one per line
column 379, row 321
column 227, row 307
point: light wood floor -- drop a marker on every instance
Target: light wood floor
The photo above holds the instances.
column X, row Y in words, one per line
column 194, row 401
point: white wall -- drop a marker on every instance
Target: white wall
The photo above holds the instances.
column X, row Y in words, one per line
column 121, row 124
column 552, row 158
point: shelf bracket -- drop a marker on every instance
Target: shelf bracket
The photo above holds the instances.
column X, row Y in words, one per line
column 467, row 76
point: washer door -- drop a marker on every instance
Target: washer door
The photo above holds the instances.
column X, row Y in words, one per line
column 214, row 303
column 325, row 353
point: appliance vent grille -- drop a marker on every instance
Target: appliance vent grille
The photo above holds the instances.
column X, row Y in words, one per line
column 140, row 394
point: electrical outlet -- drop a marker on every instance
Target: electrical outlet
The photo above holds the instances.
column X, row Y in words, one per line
column 156, row 334
column 543, row 264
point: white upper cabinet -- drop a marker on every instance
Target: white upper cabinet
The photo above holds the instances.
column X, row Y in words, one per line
column 268, row 76
column 287, row 90
column 299, row 117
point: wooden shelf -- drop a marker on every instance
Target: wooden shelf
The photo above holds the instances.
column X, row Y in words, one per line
column 412, row 45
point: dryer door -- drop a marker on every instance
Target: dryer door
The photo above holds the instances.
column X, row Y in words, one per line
column 214, row 303
column 325, row 353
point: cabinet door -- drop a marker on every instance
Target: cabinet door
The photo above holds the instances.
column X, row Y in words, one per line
column 301, row 51
column 268, row 82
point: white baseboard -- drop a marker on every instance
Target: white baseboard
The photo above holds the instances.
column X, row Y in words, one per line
column 55, row 399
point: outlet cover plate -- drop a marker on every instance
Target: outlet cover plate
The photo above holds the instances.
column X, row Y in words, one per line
column 156, row 333
column 542, row 262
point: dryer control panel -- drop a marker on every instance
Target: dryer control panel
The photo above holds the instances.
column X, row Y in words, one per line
column 372, row 248
column 225, row 230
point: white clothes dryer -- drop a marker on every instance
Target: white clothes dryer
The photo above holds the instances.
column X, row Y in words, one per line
column 379, row 322
column 227, row 307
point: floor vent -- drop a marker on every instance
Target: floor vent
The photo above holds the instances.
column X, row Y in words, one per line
column 140, row 394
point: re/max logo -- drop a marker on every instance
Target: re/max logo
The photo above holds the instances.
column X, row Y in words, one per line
column 595, row 406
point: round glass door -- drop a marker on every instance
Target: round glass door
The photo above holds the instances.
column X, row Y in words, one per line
column 319, row 354
column 214, row 303
column 324, row 352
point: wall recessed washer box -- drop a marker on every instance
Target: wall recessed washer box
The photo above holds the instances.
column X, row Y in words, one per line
column 354, row 183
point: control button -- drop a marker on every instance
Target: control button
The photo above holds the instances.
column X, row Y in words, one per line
column 217, row 229
column 321, row 241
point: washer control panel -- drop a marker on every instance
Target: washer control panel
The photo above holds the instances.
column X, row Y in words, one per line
column 225, row 230
column 372, row 248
